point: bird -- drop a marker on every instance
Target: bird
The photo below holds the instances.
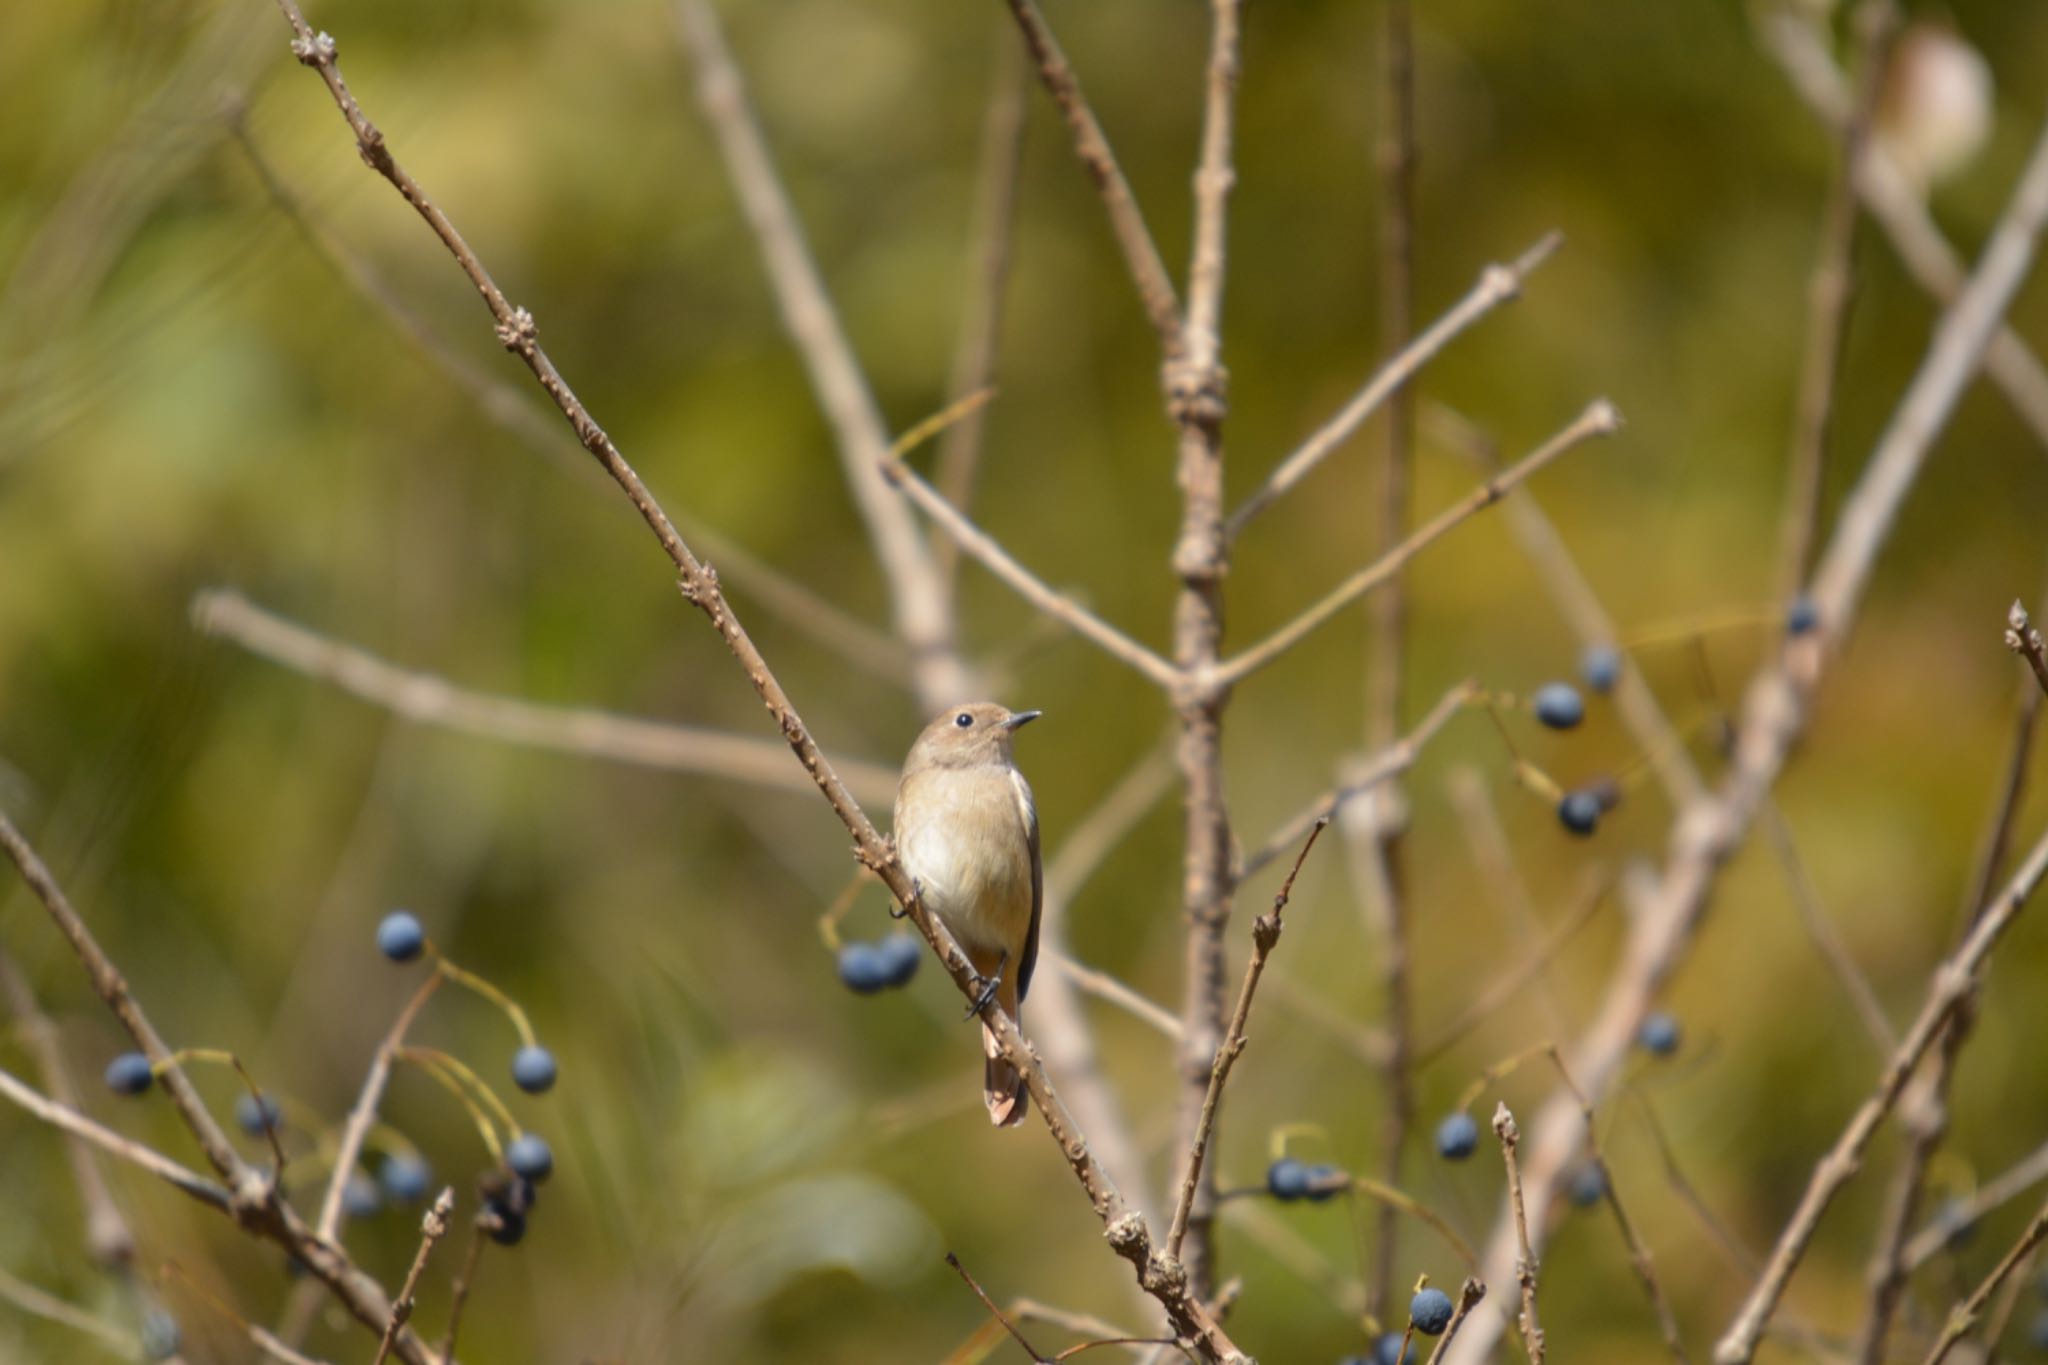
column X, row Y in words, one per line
column 966, row 830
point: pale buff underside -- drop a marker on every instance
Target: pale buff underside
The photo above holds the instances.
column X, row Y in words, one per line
column 980, row 887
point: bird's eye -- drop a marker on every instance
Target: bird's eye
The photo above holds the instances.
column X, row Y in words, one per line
column 963, row 720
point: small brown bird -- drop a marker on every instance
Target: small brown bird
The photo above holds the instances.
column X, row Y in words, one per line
column 967, row 832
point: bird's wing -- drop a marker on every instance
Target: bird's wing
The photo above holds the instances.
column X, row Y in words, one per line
column 1030, row 958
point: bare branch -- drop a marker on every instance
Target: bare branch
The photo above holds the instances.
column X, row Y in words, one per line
column 1828, row 296
column 1525, row 1263
column 2022, row 639
column 1964, row 1315
column 428, row 699
column 364, row 1115
column 915, row 588
column 107, row 1234
column 1798, row 47
column 981, row 320
column 998, row 561
column 512, row 412
column 1469, row 1296
column 43, row 1304
column 1953, row 981
column 1265, row 935
column 69, row 1121
column 1141, row 254
column 1399, row 759
column 1600, row 419
column 433, row 1227
column 1497, row 284
column 1103, row 986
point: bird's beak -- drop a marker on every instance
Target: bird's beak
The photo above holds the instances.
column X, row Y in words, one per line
column 1021, row 718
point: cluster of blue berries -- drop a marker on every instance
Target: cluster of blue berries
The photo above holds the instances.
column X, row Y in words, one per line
column 404, row 1176
column 508, row 1195
column 884, row 965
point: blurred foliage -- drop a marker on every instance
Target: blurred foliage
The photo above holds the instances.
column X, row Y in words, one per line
column 753, row 1164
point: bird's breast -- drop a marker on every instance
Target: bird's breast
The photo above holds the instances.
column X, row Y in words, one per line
column 962, row 835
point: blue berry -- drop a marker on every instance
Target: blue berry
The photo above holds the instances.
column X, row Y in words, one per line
column 1586, row 1185
column 1659, row 1034
column 1287, row 1179
column 1430, row 1311
column 405, row 1178
column 2037, row 1331
column 1387, row 1350
column 1457, row 1137
column 1326, row 1183
column 1600, row 666
column 257, row 1114
column 1802, row 616
column 533, row 1069
column 129, row 1074
column 900, row 955
column 1558, row 705
column 1579, row 812
column 360, row 1197
column 864, row 967
column 506, row 1226
column 529, row 1158
column 160, row 1336
column 400, row 937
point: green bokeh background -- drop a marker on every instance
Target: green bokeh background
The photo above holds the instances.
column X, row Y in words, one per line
column 753, row 1164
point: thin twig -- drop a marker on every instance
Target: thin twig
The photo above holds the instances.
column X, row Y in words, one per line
column 1126, row 1230
column 43, row 1304
column 1599, row 419
column 1964, row 1315
column 1374, row 845
column 364, row 1115
column 998, row 1314
column 981, row 318
column 1497, row 284
column 433, row 1227
column 1141, row 254
column 1527, row 965
column 1525, row 1263
column 512, row 412
column 1820, row 927
column 916, row 591
column 429, row 699
column 1469, row 1296
column 69, row 1121
column 1662, row 746
column 458, row 1294
column 1265, row 935
column 2022, row 639
column 1100, row 984
column 1802, row 51
column 107, row 1235
column 1638, row 1251
column 998, row 561
column 1829, row 294
column 2008, row 1185
column 1953, row 981
column 1396, row 760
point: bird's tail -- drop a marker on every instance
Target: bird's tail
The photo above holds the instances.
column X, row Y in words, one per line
column 1002, row 1086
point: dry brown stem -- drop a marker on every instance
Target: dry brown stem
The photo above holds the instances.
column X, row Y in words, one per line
column 1497, row 285
column 1265, row 936
column 429, row 699
column 1599, row 419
